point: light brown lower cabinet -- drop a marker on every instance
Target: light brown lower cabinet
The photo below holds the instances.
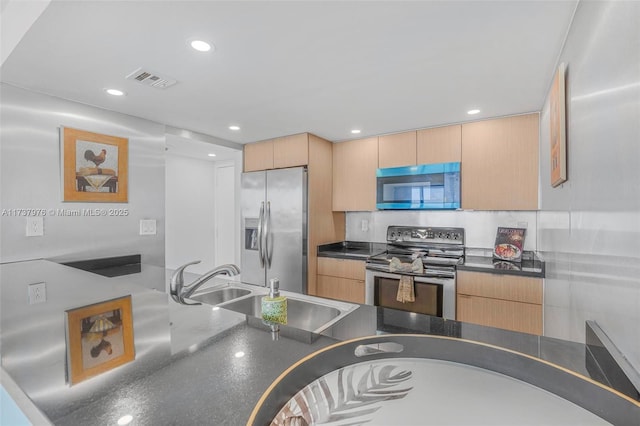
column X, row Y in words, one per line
column 503, row 301
column 341, row 279
column 340, row 288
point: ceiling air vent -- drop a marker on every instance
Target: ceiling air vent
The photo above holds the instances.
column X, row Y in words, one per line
column 151, row 79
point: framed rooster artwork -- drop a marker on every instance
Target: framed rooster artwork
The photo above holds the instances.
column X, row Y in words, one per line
column 99, row 338
column 95, row 167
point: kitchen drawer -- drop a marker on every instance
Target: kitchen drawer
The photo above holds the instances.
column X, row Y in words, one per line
column 344, row 268
column 340, row 288
column 497, row 286
column 509, row 315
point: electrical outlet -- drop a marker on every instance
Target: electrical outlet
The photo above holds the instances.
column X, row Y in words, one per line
column 37, row 293
column 148, row 227
column 35, row 226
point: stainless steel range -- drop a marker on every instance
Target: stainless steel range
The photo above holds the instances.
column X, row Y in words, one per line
column 439, row 249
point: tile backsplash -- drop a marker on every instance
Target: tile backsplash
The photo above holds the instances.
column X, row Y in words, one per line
column 480, row 226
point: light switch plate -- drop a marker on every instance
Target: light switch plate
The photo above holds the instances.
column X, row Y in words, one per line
column 35, row 226
column 148, row 227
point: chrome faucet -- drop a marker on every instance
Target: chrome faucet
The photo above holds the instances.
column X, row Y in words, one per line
column 179, row 292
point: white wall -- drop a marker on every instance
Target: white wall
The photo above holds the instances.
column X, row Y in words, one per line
column 30, row 179
column 589, row 229
column 190, row 213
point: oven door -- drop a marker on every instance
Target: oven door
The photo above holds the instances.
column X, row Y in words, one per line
column 434, row 296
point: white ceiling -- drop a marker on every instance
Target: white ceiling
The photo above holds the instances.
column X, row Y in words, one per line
column 281, row 68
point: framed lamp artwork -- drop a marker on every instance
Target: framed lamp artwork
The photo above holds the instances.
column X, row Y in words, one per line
column 94, row 167
column 99, row 338
column 558, row 134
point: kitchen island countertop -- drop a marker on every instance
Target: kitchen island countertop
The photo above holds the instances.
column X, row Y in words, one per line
column 188, row 367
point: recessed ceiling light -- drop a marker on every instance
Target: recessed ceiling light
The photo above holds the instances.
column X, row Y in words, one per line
column 234, row 128
column 239, row 354
column 473, row 111
column 212, row 155
column 201, row 46
column 125, row 420
column 356, row 131
column 114, row 92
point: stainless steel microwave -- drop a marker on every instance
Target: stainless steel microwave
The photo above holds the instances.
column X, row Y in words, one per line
column 421, row 187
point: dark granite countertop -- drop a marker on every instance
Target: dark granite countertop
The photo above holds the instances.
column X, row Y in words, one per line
column 355, row 250
column 481, row 260
column 476, row 260
column 188, row 368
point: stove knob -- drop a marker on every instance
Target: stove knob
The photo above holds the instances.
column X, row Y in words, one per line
column 393, row 235
column 448, row 236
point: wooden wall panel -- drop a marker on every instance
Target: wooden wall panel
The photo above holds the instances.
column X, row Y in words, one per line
column 325, row 225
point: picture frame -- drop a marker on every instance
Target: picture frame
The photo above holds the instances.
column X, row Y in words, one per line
column 558, row 129
column 95, row 167
column 99, row 338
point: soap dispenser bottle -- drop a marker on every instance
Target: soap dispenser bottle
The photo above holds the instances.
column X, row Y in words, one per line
column 274, row 306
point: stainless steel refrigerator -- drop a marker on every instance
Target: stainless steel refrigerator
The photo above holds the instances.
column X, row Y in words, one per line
column 274, row 228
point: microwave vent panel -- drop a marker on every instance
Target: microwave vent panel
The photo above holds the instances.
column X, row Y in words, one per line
column 151, row 79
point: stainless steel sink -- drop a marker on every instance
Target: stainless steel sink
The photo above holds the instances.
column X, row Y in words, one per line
column 223, row 295
column 308, row 313
column 303, row 312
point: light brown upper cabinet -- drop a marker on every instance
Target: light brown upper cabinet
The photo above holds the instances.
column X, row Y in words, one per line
column 291, row 151
column 354, row 175
column 439, row 145
column 278, row 153
column 397, row 150
column 258, row 156
column 500, row 163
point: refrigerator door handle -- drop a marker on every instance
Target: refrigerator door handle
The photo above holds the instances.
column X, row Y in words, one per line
column 260, row 233
column 266, row 235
